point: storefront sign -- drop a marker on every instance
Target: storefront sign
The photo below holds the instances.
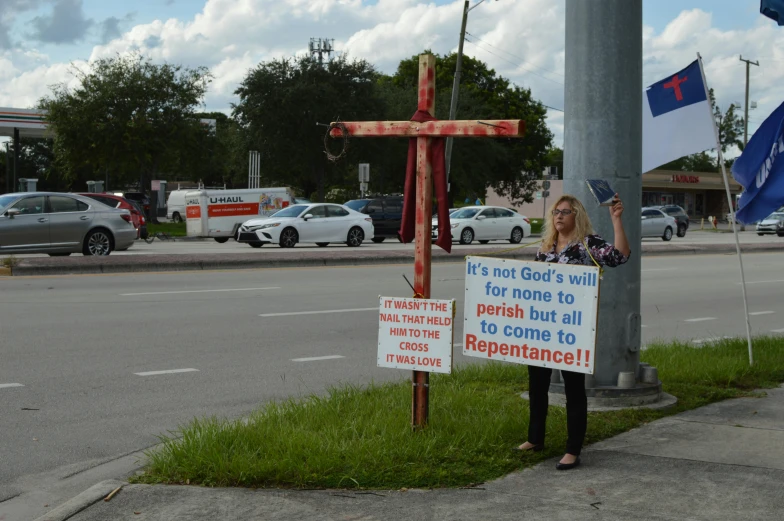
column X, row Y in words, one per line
column 685, row 179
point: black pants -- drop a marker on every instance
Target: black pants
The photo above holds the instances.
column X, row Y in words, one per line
column 576, row 407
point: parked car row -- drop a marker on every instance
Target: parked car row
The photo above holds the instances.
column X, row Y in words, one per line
column 60, row 224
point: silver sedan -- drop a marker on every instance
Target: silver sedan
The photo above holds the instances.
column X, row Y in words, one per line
column 60, row 224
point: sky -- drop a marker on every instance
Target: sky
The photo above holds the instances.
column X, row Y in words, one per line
column 42, row 42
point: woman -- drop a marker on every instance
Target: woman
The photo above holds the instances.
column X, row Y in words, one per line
column 569, row 239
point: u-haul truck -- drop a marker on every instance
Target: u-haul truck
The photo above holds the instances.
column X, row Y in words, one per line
column 218, row 213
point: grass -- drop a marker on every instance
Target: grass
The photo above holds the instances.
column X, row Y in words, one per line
column 174, row 229
column 536, row 225
column 10, row 262
column 361, row 437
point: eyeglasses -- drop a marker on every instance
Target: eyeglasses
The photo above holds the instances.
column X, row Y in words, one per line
column 562, row 212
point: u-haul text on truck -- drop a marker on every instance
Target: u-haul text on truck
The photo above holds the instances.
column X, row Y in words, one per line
column 532, row 313
column 218, row 213
column 416, row 334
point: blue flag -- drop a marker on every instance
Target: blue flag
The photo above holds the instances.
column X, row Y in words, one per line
column 760, row 170
column 773, row 9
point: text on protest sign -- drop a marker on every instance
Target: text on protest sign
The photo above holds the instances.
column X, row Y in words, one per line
column 415, row 334
column 532, row 313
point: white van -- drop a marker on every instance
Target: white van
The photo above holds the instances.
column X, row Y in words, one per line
column 219, row 213
column 175, row 205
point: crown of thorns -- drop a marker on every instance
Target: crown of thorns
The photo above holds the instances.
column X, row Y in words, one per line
column 344, row 135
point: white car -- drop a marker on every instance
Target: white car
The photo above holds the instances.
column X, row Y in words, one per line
column 656, row 223
column 486, row 223
column 318, row 223
column 773, row 223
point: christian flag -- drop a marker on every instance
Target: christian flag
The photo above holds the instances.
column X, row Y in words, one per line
column 677, row 119
column 760, row 169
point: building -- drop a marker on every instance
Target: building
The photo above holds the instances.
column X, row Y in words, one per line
column 699, row 193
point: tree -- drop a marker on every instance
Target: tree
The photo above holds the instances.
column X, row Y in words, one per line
column 128, row 117
column 511, row 167
column 555, row 158
column 283, row 102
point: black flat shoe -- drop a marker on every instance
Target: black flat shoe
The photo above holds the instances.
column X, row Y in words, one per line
column 567, row 466
column 534, row 448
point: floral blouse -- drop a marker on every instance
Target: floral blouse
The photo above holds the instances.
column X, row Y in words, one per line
column 575, row 253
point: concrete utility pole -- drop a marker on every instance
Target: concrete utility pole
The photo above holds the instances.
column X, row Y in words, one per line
column 456, row 88
column 456, row 85
column 746, row 105
column 603, row 139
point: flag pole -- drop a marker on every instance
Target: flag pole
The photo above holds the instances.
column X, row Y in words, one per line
column 732, row 212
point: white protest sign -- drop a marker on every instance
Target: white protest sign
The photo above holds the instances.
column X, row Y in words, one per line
column 532, row 313
column 415, row 334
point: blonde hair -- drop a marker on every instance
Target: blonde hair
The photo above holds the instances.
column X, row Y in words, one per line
column 582, row 223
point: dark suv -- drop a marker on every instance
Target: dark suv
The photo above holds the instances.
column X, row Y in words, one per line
column 386, row 213
column 680, row 215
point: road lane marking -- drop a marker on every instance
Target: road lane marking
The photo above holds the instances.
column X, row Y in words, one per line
column 762, row 281
column 194, row 291
column 757, row 313
column 316, row 358
column 8, row 386
column 659, row 269
column 324, row 312
column 703, row 319
column 169, row 371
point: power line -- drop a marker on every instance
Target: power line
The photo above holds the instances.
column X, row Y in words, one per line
column 513, row 55
column 518, row 65
column 513, row 63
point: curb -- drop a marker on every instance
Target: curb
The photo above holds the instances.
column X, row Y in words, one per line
column 82, row 501
column 31, row 267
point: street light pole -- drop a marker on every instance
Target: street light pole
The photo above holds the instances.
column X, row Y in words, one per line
column 746, row 105
column 456, row 85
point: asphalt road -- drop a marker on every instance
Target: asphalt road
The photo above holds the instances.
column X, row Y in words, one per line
column 77, row 351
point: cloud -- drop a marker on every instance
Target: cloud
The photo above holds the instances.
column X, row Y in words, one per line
column 523, row 41
column 111, row 27
column 66, row 23
column 9, row 11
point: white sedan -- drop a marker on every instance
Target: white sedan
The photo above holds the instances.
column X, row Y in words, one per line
column 318, row 223
column 486, row 223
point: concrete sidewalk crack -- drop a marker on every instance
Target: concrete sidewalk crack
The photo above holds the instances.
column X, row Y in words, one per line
column 731, row 425
column 690, row 460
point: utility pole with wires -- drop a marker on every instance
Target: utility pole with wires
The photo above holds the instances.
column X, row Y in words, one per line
column 746, row 105
column 320, row 47
column 456, row 86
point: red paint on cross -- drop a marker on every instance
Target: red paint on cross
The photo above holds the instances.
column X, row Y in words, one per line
column 675, row 83
column 418, row 268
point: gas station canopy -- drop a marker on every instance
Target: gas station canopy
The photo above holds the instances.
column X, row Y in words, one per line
column 31, row 123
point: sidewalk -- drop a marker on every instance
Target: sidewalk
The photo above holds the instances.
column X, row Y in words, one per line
column 720, row 462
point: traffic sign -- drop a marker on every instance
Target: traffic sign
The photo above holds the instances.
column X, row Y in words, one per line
column 364, row 172
column 546, row 185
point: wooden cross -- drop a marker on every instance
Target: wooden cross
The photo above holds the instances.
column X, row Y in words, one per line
column 424, row 134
